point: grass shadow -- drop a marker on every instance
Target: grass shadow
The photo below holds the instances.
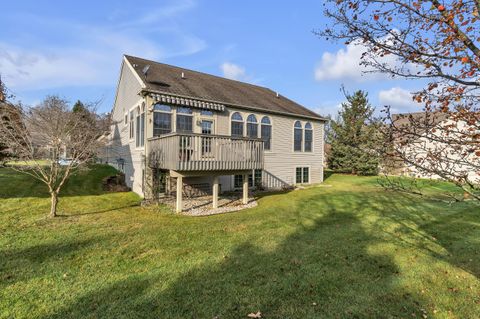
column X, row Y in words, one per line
column 82, row 182
column 314, row 272
column 16, row 264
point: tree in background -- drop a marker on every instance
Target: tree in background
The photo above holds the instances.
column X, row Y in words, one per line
column 79, row 107
column 433, row 40
column 44, row 133
column 10, row 113
column 353, row 137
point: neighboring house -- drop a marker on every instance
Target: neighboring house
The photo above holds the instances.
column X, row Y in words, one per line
column 417, row 140
column 185, row 132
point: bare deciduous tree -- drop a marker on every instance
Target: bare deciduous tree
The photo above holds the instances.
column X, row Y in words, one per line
column 428, row 40
column 52, row 141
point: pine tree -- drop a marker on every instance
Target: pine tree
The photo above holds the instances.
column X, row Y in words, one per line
column 354, row 136
column 79, row 107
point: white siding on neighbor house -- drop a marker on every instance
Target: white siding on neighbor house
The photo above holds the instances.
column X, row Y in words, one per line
column 122, row 147
column 418, row 149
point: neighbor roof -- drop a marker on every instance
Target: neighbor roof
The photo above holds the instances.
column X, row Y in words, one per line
column 164, row 78
column 422, row 118
column 416, row 123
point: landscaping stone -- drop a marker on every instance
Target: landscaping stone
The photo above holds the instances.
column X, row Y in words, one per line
column 202, row 206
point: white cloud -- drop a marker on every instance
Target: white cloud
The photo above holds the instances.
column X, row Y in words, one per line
column 233, row 71
column 345, row 64
column 92, row 54
column 400, row 100
column 328, row 108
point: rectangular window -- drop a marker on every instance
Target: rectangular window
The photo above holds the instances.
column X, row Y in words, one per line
column 306, row 175
column 207, row 129
column 140, row 133
column 308, row 141
column 266, row 132
column 252, row 130
column 297, row 140
column 257, row 181
column 238, row 181
column 298, row 175
column 126, row 119
column 132, row 131
column 252, row 182
column 237, row 128
column 184, row 123
column 302, row 175
column 162, row 123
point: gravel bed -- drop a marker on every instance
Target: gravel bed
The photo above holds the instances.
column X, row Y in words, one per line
column 202, row 206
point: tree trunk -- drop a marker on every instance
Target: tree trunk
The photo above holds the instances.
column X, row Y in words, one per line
column 53, row 206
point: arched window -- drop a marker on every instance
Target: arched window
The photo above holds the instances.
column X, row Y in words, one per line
column 252, row 126
column 297, row 136
column 162, row 119
column 162, row 107
column 307, row 147
column 184, row 120
column 206, row 113
column 237, row 124
column 266, row 133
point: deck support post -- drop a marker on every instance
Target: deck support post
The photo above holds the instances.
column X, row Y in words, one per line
column 215, row 192
column 245, row 189
column 179, row 194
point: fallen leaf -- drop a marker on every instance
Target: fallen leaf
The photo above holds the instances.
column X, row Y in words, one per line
column 258, row 314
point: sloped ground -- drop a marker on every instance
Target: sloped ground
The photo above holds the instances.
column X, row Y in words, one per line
column 350, row 250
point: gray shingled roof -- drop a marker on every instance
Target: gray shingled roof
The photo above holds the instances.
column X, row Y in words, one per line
column 167, row 79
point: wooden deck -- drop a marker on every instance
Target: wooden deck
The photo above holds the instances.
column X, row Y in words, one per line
column 199, row 152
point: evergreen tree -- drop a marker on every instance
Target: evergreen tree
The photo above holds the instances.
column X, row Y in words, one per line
column 354, row 137
column 5, row 112
column 79, row 107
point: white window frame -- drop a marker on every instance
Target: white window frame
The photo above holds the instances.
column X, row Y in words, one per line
column 309, row 175
column 293, row 137
column 138, row 127
column 304, row 135
column 248, row 122
column 164, row 112
column 238, row 121
column 184, row 114
column 131, row 128
column 271, row 131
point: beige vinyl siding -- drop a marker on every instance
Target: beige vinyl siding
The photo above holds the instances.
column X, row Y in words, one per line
column 121, row 146
column 281, row 161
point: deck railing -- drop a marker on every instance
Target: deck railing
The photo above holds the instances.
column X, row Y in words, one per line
column 202, row 152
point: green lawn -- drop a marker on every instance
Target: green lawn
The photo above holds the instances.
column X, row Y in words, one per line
column 350, row 250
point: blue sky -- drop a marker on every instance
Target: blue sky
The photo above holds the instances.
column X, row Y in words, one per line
column 74, row 49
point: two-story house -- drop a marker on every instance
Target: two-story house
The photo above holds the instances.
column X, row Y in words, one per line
column 181, row 131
